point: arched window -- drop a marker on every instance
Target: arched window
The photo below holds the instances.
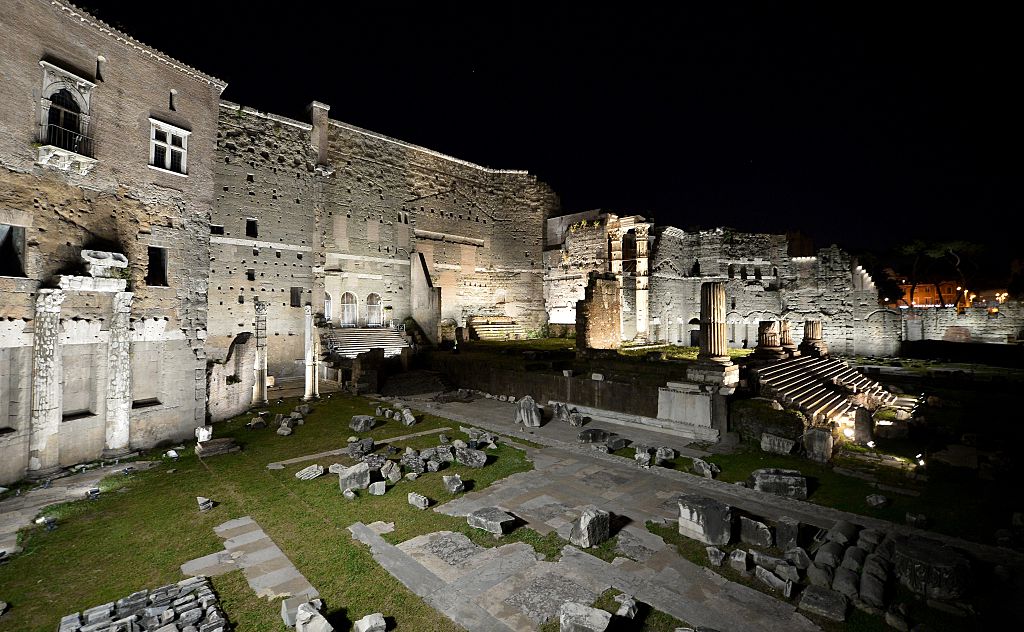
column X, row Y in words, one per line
column 349, row 309
column 63, row 122
column 374, row 311
column 695, row 270
column 328, row 307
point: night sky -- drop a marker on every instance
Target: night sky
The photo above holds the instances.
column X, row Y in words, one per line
column 866, row 126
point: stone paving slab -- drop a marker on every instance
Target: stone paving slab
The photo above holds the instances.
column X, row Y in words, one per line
column 266, row 568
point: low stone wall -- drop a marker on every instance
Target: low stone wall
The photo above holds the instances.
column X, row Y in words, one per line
column 543, row 387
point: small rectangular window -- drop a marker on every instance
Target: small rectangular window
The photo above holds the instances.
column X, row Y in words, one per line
column 12, row 250
column 216, row 230
column 156, row 274
column 168, row 147
column 251, row 228
column 250, row 274
column 296, row 297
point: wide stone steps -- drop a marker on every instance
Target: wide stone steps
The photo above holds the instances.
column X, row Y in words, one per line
column 498, row 331
column 350, row 342
column 821, row 387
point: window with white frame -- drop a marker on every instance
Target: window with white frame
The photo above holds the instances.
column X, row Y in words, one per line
column 168, row 147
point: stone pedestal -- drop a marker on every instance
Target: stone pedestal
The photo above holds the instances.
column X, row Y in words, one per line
column 312, row 356
column 812, row 343
column 119, row 374
column 259, row 388
column 44, row 444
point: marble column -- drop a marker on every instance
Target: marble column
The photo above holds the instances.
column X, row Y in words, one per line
column 259, row 387
column 812, row 343
column 312, row 384
column 786, row 339
column 119, row 379
column 47, row 405
column 768, row 347
column 713, row 340
column 615, row 264
column 642, row 283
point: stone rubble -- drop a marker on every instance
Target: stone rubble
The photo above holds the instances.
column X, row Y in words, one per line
column 785, row 588
column 361, row 423
column 823, row 602
column 360, row 448
column 705, row 519
column 216, row 447
column 705, row 469
column 370, row 623
column 454, row 484
column 528, row 412
column 205, row 504
column 377, row 489
column 788, row 483
column 663, row 455
column 355, row 477
column 628, row 606
column 715, row 555
column 776, row 444
column 756, row 533
column 591, row 528
column 309, row 473
column 576, row 617
column 309, row 619
column 189, row 604
column 490, row 519
column 418, row 501
column 408, row 418
column 470, row 457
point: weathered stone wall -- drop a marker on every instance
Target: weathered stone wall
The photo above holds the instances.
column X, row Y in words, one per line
column 231, row 379
column 110, row 201
column 577, row 245
column 974, row 324
column 598, row 324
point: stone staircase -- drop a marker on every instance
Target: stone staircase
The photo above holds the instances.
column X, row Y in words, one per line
column 824, row 388
column 350, row 342
column 501, row 328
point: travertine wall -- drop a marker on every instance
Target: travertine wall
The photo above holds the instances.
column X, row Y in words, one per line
column 339, row 213
column 110, row 201
column 598, row 315
column 231, row 379
column 974, row 324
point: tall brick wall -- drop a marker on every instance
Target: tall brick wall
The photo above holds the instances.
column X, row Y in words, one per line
column 120, row 204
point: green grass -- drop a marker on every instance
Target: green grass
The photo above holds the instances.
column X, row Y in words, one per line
column 144, row 526
column 675, row 352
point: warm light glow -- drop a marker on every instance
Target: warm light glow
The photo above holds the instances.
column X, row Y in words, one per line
column 848, row 433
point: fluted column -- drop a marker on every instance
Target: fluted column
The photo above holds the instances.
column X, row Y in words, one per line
column 312, row 386
column 713, row 340
column 786, row 339
column 119, row 379
column 813, row 344
column 44, row 442
column 259, row 387
column 766, row 334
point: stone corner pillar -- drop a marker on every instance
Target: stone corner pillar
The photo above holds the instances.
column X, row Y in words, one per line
column 259, row 387
column 119, row 379
column 812, row 344
column 312, row 385
column 47, row 405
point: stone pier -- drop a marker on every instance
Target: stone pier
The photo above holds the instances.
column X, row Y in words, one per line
column 259, row 388
column 812, row 344
column 119, row 376
column 44, row 444
column 312, row 356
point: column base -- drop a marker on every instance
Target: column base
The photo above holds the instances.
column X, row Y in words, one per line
column 816, row 348
column 791, row 350
column 770, row 353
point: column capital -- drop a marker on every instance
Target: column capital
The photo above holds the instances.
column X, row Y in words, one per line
column 49, row 300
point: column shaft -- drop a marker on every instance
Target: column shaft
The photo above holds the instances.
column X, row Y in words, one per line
column 119, row 376
column 259, row 388
column 713, row 340
column 312, row 388
column 44, row 441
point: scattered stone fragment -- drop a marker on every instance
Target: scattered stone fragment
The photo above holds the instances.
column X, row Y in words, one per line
column 309, row 473
column 854, row 558
column 823, row 602
column 284, row 431
column 788, row 483
column 470, row 457
column 459, row 443
column 820, row 575
column 303, row 409
column 355, row 477
column 335, row 468
column 643, row 459
column 930, row 568
column 756, row 533
column 443, row 438
column 205, row 504
column 829, row 554
column 411, row 476
column 919, row 521
column 256, row 423
column 663, row 455
column 418, row 501
column 433, row 465
column 454, row 484
column 576, row 418
column 787, row 532
column 309, row 619
column 489, row 519
column 785, row 588
column 377, row 489
column 349, row 494
column 876, row 500
column 787, row 572
column 798, row 557
column 379, row 411
column 576, row 617
column 846, row 582
column 763, row 559
column 627, row 606
column 408, row 418
column 896, row 621
column 591, row 528
column 360, row 448
column 705, row 469
column 716, row 555
column 776, row 444
column 738, row 560
column 818, row 443
column 370, row 623
column 872, row 590
column 374, row 461
column 528, row 412
column 843, row 532
column 391, row 471
column 361, row 423
column 705, row 519
column 388, row 413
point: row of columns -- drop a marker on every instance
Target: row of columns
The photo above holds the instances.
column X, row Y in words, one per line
column 47, row 395
column 311, row 357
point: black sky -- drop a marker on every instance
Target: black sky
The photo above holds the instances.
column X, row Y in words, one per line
column 864, row 125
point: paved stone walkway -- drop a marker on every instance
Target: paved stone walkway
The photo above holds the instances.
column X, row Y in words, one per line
column 267, row 569
column 18, row 512
column 498, row 417
column 508, row 588
column 277, row 465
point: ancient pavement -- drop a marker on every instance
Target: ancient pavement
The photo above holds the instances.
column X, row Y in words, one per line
column 498, row 417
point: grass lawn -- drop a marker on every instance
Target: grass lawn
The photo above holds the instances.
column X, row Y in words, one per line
column 144, row 526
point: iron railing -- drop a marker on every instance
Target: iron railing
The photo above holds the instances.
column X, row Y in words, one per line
column 69, row 139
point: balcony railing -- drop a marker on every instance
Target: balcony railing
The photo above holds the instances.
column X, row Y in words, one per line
column 67, row 139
